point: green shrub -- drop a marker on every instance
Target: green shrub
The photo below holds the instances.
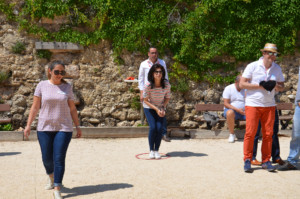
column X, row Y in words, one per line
column 18, row 48
column 196, row 33
column 3, row 76
column 181, row 85
column 45, row 54
column 135, row 103
column 6, row 127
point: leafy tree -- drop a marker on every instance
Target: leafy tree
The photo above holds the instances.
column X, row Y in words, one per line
column 204, row 36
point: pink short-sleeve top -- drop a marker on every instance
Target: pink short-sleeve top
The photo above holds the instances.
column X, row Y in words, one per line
column 55, row 112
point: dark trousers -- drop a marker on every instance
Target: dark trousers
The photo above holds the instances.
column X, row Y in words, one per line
column 275, row 143
column 155, row 128
column 54, row 147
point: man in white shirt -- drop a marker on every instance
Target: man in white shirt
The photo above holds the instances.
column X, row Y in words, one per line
column 234, row 106
column 143, row 78
column 261, row 78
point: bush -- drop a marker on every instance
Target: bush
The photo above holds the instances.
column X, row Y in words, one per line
column 135, row 103
column 199, row 34
column 3, row 76
column 18, row 48
column 44, row 54
column 6, row 127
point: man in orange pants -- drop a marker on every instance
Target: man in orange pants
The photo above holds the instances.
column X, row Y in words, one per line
column 261, row 78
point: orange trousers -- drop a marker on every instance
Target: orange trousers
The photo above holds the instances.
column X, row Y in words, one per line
column 266, row 115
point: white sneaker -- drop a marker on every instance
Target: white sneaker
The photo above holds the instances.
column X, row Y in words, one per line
column 231, row 138
column 151, row 155
column 157, row 155
column 57, row 194
column 50, row 183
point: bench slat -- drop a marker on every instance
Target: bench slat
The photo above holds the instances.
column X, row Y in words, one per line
column 5, row 121
column 209, row 107
column 285, row 117
column 220, row 107
column 4, row 107
column 285, row 106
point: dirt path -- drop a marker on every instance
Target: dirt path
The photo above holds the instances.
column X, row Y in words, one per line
column 108, row 168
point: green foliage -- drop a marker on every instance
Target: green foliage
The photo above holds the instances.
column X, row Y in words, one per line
column 45, row 54
column 7, row 9
column 3, row 76
column 96, row 70
column 135, row 103
column 140, row 125
column 18, row 48
column 180, row 85
column 201, row 35
column 6, row 127
column 131, row 90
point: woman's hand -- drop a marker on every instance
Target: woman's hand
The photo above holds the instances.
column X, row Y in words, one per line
column 27, row 132
column 161, row 112
column 79, row 133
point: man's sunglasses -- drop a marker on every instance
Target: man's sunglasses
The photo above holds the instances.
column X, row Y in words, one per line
column 57, row 72
column 272, row 53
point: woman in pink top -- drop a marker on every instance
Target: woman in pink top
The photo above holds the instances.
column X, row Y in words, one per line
column 54, row 100
column 156, row 97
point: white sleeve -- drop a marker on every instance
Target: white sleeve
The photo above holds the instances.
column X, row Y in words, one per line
column 163, row 63
column 141, row 77
column 247, row 72
column 280, row 76
column 226, row 93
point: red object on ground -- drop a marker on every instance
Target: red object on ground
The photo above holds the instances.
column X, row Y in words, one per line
column 130, row 78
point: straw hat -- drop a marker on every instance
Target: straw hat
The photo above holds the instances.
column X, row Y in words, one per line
column 270, row 48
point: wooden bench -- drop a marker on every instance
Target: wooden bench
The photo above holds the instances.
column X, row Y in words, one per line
column 5, row 108
column 284, row 119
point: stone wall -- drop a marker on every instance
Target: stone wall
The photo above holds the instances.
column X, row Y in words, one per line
column 102, row 96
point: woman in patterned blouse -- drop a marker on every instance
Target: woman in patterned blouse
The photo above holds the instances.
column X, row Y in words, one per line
column 156, row 97
column 54, row 100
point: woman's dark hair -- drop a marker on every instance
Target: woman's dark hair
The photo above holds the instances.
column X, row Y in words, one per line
column 151, row 77
column 52, row 66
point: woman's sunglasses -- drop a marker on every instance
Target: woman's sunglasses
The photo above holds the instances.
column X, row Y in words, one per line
column 57, row 72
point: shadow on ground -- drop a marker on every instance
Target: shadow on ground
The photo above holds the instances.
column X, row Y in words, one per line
column 91, row 189
column 185, row 154
column 9, row 153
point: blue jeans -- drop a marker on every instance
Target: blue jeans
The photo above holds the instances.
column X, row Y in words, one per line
column 54, row 147
column 238, row 116
column 275, row 143
column 155, row 128
column 295, row 141
column 164, row 131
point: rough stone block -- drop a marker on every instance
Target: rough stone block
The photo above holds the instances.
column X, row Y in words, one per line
column 55, row 20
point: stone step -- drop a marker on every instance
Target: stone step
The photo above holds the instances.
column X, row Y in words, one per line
column 135, row 132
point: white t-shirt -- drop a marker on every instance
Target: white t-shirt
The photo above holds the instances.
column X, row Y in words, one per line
column 237, row 99
column 257, row 72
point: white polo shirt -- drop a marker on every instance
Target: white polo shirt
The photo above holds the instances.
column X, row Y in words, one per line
column 257, row 72
column 237, row 98
column 144, row 70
